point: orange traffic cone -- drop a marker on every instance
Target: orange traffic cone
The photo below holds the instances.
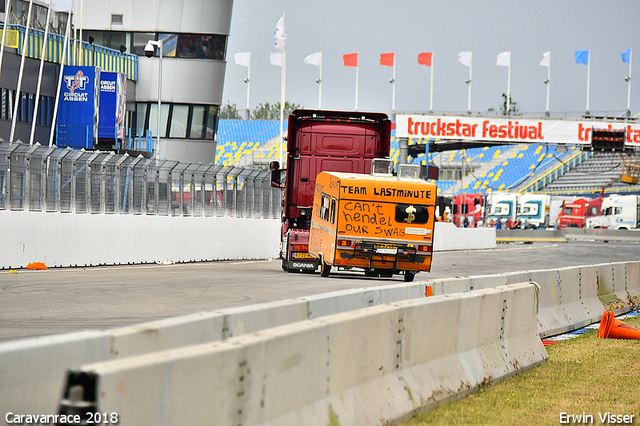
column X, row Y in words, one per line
column 612, row 328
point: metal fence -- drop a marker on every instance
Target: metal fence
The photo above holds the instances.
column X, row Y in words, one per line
column 50, row 179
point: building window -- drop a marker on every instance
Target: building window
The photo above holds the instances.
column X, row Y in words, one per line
column 198, row 123
column 140, row 40
column 179, row 121
column 179, row 118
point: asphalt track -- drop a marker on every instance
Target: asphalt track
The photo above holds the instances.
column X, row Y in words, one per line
column 37, row 303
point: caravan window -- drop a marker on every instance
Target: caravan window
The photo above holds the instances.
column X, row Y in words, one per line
column 411, row 213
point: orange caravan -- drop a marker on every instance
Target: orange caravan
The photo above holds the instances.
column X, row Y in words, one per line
column 379, row 222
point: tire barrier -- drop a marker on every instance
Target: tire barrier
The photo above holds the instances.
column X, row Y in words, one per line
column 371, row 366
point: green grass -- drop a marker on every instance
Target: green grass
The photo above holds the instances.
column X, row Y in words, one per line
column 585, row 374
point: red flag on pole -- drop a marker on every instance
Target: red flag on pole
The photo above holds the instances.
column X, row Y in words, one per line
column 387, row 59
column 425, row 58
column 350, row 60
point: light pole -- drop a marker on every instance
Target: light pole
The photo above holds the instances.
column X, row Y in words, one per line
column 149, row 51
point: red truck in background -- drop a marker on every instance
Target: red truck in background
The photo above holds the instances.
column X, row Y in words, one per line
column 576, row 213
column 321, row 141
column 467, row 206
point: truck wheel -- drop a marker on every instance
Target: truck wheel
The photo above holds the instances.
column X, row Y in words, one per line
column 325, row 269
column 284, row 265
column 409, row 276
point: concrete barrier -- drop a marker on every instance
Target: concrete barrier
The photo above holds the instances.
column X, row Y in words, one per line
column 612, row 287
column 633, row 281
column 53, row 355
column 349, row 300
column 446, row 237
column 372, row 366
column 32, row 370
column 63, row 239
column 510, row 235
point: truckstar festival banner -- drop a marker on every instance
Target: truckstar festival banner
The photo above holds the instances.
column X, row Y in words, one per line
column 567, row 131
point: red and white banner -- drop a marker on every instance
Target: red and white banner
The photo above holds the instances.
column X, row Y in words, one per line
column 572, row 132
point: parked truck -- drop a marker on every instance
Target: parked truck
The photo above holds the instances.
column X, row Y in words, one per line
column 379, row 223
column 467, row 207
column 621, row 212
column 502, row 206
column 533, row 210
column 578, row 212
column 317, row 141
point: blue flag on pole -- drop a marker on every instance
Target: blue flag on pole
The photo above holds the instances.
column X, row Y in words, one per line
column 582, row 57
column 626, row 56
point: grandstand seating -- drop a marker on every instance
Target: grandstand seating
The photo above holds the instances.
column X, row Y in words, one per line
column 514, row 171
column 601, row 171
column 238, row 138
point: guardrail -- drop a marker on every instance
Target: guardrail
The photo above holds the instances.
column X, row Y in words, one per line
column 50, row 179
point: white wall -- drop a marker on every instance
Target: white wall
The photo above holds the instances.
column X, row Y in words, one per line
column 63, row 239
column 66, row 239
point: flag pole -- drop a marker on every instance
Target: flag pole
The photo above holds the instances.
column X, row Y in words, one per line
column 629, row 86
column 357, row 67
column 509, row 87
column 248, row 81
column 469, row 82
column 320, row 83
column 62, row 61
column 37, row 102
column 548, row 84
column 282, row 96
column 431, row 92
column 5, row 28
column 393, row 81
column 19, row 87
column 588, row 79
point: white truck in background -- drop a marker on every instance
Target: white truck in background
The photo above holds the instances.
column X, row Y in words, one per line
column 533, row 210
column 502, row 206
column 621, row 212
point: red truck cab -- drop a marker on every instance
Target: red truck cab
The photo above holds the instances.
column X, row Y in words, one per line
column 318, row 141
column 469, row 207
column 574, row 214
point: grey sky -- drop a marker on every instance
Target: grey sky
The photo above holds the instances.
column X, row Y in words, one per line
column 445, row 27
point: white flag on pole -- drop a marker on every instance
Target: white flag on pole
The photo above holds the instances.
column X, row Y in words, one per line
column 465, row 58
column 243, row 58
column 60, row 5
column 279, row 37
column 314, row 59
column 504, row 59
column 546, row 59
column 275, row 59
